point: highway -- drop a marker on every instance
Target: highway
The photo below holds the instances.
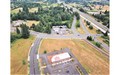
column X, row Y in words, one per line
column 75, row 35
column 89, row 18
column 34, row 68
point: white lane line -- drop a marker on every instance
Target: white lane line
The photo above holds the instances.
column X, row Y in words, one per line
column 37, row 56
column 28, row 58
column 32, row 45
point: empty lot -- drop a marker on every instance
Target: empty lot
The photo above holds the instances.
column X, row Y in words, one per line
column 93, row 61
column 19, row 52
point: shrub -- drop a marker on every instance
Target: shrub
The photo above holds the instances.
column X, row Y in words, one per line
column 77, row 24
column 23, row 62
column 98, row 44
column 89, row 38
column 45, row 51
column 90, row 27
column 88, row 23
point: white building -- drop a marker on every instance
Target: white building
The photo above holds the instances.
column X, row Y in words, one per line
column 60, row 57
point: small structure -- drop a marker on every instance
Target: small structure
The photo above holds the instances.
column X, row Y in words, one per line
column 17, row 23
column 60, row 57
column 61, row 62
column 59, row 29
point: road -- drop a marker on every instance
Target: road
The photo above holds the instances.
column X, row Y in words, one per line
column 89, row 18
column 83, row 26
column 34, row 68
column 75, row 35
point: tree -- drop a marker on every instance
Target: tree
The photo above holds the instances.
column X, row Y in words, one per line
column 89, row 38
column 17, row 30
column 106, row 33
column 88, row 23
column 25, row 9
column 14, row 37
column 25, row 31
column 82, row 10
column 90, row 27
column 98, row 44
column 77, row 24
column 77, row 15
column 45, row 51
column 48, row 29
column 33, row 26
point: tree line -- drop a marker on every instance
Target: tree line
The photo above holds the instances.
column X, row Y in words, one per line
column 23, row 32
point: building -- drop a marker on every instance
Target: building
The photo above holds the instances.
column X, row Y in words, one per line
column 61, row 62
column 60, row 57
column 17, row 23
column 60, row 29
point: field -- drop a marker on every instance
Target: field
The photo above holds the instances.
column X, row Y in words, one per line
column 101, row 40
column 16, row 10
column 103, row 8
column 80, row 30
column 30, row 22
column 93, row 31
column 32, row 10
column 19, row 53
column 93, row 61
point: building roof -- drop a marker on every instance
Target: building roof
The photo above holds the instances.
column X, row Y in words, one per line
column 60, row 57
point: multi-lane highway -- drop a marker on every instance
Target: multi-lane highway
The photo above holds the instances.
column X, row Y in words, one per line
column 34, row 68
column 89, row 18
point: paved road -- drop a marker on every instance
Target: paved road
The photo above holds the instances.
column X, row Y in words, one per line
column 75, row 35
column 34, row 68
column 94, row 36
column 83, row 26
column 89, row 18
column 73, row 28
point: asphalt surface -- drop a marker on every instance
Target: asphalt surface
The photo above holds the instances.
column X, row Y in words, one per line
column 89, row 18
column 34, row 68
column 68, row 66
column 83, row 26
column 75, row 35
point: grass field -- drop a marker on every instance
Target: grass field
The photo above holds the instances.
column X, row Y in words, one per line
column 16, row 10
column 93, row 61
column 32, row 10
column 80, row 30
column 93, row 31
column 30, row 22
column 101, row 40
column 19, row 53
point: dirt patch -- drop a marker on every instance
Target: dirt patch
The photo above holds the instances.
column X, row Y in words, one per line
column 30, row 22
column 16, row 10
column 32, row 10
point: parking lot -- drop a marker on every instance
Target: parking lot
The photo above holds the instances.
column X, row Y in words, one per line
column 63, row 67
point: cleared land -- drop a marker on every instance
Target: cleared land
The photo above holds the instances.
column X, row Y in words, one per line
column 32, row 10
column 102, row 8
column 19, row 52
column 30, row 22
column 93, row 61
column 16, row 10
